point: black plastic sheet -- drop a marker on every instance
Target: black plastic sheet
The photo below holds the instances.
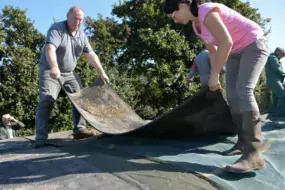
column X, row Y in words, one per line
column 204, row 113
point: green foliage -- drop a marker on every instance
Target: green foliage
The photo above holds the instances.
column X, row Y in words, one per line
column 18, row 31
column 19, row 74
column 157, row 54
column 107, row 37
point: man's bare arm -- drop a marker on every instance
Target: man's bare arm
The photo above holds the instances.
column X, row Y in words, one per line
column 52, row 60
column 95, row 62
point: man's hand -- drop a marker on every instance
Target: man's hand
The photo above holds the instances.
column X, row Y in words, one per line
column 188, row 83
column 8, row 117
column 13, row 119
column 105, row 78
column 54, row 73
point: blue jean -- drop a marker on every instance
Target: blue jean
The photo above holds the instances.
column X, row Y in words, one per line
column 49, row 90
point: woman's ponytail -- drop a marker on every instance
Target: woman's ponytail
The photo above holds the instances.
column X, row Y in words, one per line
column 194, row 8
column 172, row 5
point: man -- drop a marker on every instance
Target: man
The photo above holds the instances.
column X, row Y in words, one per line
column 10, row 124
column 202, row 66
column 64, row 44
column 274, row 78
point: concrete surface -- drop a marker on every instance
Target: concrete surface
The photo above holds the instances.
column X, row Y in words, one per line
column 82, row 165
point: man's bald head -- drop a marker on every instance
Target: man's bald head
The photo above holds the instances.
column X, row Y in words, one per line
column 280, row 52
column 75, row 17
column 74, row 9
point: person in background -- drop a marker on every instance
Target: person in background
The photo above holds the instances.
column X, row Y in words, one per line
column 201, row 66
column 238, row 42
column 275, row 75
column 10, row 125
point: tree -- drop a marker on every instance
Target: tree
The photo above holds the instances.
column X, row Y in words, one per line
column 159, row 51
column 157, row 54
column 19, row 76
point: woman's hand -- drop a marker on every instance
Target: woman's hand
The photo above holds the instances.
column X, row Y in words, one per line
column 214, row 83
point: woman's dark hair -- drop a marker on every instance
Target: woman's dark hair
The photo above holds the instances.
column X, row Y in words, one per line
column 172, row 5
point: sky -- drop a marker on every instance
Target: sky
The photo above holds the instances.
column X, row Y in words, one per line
column 43, row 13
column 273, row 9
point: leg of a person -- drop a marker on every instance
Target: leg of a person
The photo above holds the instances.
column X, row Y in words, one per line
column 231, row 83
column 271, row 101
column 49, row 90
column 252, row 62
column 280, row 108
column 72, row 84
column 278, row 92
column 274, row 100
column 277, row 88
column 232, row 97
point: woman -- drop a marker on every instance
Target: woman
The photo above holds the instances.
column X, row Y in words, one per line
column 240, row 42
